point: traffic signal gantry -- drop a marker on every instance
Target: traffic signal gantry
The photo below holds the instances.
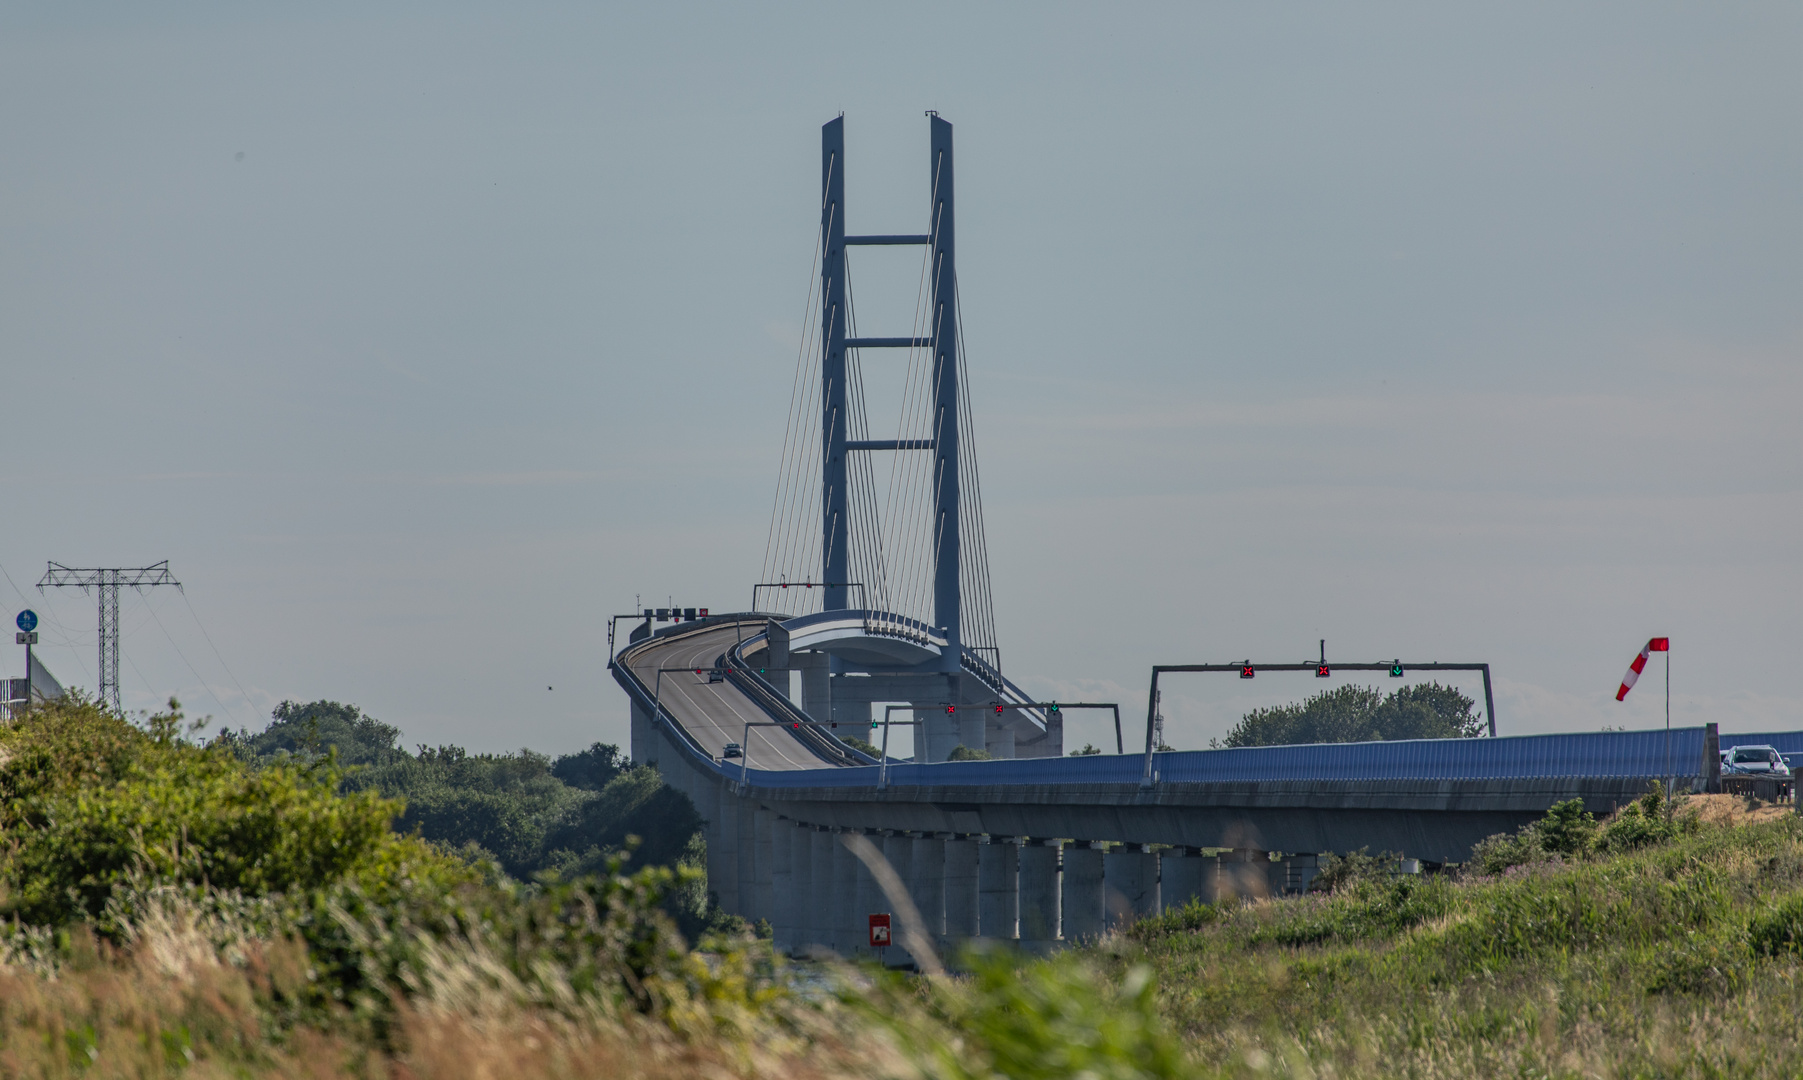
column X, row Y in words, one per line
column 1322, row 669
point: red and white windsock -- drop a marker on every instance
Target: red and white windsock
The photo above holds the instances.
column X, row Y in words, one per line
column 1658, row 644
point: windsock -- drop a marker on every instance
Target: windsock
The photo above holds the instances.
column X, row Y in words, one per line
column 1658, row 644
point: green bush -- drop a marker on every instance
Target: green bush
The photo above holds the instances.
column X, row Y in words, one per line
column 1567, row 829
column 1341, row 871
column 1779, row 931
column 93, row 803
column 1014, row 1018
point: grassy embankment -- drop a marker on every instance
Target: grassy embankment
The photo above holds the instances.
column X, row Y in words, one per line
column 1660, row 944
column 175, row 910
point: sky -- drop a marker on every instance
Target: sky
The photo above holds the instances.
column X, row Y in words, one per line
column 421, row 339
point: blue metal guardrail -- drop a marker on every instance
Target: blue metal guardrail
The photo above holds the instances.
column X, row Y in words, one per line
column 1587, row 754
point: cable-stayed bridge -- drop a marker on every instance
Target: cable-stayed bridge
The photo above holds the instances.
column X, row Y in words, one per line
column 876, row 589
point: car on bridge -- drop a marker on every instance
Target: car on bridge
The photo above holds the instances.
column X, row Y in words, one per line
column 1757, row 770
column 732, row 749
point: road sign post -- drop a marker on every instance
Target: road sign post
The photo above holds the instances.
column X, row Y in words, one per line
column 879, row 932
column 27, row 622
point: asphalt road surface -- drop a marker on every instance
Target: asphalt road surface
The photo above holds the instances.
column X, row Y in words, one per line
column 716, row 713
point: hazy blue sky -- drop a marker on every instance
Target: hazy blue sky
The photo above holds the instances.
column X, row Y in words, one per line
column 422, row 338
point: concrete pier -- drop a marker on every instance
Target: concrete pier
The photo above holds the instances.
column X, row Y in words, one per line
column 961, row 874
column 898, row 849
column 801, row 880
column 744, row 823
column 1184, row 875
column 782, row 884
column 870, row 901
column 926, row 882
column 821, row 910
column 1245, row 873
column 845, row 895
column 722, row 846
column 1298, row 871
column 1084, row 903
column 763, row 864
column 1130, row 884
column 998, row 880
column 1039, row 899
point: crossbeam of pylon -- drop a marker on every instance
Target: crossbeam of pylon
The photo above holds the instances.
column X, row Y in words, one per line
column 106, row 581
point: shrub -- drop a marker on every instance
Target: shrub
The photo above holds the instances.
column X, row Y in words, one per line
column 1709, row 965
column 93, row 803
column 1779, row 931
column 1339, row 871
column 1175, row 920
column 1567, row 829
column 1034, row 1020
column 1651, row 819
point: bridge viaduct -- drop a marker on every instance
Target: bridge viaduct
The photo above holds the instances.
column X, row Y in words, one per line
column 1030, row 846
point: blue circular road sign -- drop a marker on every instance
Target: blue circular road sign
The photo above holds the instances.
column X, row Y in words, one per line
column 28, row 620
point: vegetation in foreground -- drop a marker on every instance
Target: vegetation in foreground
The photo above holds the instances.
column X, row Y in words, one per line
column 1659, row 943
column 173, row 909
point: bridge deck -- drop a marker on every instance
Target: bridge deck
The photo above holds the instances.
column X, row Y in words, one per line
column 715, row 714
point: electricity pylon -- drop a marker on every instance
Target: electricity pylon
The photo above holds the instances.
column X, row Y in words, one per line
column 106, row 581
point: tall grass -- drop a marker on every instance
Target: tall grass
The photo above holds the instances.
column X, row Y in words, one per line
column 1677, row 960
column 173, row 912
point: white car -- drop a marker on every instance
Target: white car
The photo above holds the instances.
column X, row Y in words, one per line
column 1745, row 767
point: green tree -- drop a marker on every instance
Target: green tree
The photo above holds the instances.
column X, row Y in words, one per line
column 1362, row 714
column 525, row 810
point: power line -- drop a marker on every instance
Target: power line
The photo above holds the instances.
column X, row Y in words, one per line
column 197, row 677
column 216, row 654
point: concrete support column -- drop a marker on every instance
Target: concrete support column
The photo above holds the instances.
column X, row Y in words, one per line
column 1085, row 906
column 1298, row 871
column 782, row 884
column 852, row 716
column 935, row 733
column 1039, row 907
column 822, row 911
column 960, row 891
column 644, row 735
column 763, row 864
column 816, row 684
column 801, row 887
column 926, row 883
column 999, row 741
column 1245, row 873
column 998, row 884
column 722, row 845
column 745, row 821
column 898, row 849
column 1130, row 883
column 1186, row 875
column 845, row 894
column 973, row 728
column 870, row 900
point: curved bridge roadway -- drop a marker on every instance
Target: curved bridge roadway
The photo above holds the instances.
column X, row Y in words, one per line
column 713, row 714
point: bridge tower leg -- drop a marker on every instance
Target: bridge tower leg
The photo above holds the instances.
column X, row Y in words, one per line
column 834, row 504
column 947, row 597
